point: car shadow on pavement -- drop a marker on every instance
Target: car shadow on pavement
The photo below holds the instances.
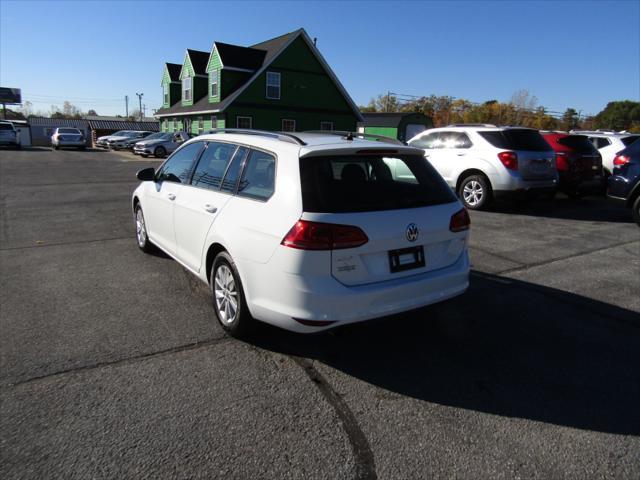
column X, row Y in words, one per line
column 591, row 208
column 506, row 347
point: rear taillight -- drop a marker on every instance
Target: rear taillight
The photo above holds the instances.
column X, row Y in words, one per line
column 619, row 160
column 460, row 221
column 306, row 235
column 509, row 160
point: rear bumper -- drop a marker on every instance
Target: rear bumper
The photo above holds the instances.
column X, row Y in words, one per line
column 62, row 143
column 9, row 142
column 327, row 300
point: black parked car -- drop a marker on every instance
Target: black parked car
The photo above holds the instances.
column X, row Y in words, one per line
column 624, row 183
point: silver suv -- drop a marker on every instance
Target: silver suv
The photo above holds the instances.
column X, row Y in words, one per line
column 481, row 162
column 160, row 144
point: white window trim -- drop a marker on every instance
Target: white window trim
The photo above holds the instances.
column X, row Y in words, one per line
column 165, row 94
column 288, row 120
column 217, row 83
column 268, row 85
column 185, row 90
column 238, row 122
column 200, row 124
column 326, row 123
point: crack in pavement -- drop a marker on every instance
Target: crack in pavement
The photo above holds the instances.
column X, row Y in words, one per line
column 62, row 244
column 527, row 266
column 123, row 361
column 364, row 460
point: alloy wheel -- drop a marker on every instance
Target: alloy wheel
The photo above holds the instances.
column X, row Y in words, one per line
column 226, row 295
column 141, row 230
column 472, row 193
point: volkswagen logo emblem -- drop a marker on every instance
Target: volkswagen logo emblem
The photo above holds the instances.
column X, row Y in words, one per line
column 412, row 232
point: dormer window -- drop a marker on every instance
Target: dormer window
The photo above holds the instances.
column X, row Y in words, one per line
column 273, row 85
column 165, row 95
column 186, row 88
column 213, row 80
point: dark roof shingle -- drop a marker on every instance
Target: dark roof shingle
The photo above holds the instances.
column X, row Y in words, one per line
column 199, row 61
column 174, row 71
column 273, row 46
column 240, row 57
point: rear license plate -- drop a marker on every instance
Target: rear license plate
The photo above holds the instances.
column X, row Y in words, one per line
column 406, row 259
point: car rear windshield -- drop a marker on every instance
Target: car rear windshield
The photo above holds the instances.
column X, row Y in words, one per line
column 6, row 126
column 371, row 182
column 630, row 139
column 516, row 139
column 579, row 143
column 68, row 130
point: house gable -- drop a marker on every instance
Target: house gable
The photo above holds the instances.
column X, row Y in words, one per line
column 197, row 76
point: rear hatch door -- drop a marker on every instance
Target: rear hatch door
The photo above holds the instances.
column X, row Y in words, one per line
column 400, row 202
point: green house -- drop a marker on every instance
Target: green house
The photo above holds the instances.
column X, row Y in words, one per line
column 282, row 84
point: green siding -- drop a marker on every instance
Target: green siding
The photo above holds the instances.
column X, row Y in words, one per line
column 174, row 89
column 386, row 131
column 214, row 64
column 231, row 80
column 272, row 119
column 303, row 83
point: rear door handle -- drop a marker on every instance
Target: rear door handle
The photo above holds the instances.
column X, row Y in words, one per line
column 210, row 208
column 171, row 196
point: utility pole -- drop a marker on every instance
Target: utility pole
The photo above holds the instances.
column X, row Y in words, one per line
column 126, row 105
column 144, row 111
column 140, row 103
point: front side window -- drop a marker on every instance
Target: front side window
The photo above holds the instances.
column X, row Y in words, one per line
column 244, row 122
column 213, row 165
column 258, row 178
column 454, row 140
column 326, row 126
column 186, row 88
column 273, row 85
column 213, row 78
column 178, row 167
column 288, row 125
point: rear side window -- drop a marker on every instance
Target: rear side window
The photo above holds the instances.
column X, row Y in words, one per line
column 429, row 141
column 6, row 126
column 600, row 142
column 258, row 178
column 212, row 165
column 516, row 139
column 454, row 140
column 629, row 140
column 578, row 143
column 233, row 172
column 368, row 183
column 177, row 168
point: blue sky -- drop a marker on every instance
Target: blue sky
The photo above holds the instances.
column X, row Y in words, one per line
column 579, row 54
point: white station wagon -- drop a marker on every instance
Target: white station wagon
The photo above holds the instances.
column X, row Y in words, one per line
column 306, row 231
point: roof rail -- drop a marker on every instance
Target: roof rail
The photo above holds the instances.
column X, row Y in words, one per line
column 471, row 125
column 351, row 135
column 284, row 136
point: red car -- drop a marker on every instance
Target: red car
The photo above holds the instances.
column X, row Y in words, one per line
column 578, row 162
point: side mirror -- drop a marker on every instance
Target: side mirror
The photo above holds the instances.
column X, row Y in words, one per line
column 146, row 174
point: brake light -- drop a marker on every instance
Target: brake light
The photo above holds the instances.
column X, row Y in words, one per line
column 619, row 160
column 460, row 221
column 306, row 235
column 509, row 160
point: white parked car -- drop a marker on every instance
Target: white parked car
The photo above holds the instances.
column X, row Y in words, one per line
column 608, row 144
column 68, row 137
column 481, row 162
column 305, row 232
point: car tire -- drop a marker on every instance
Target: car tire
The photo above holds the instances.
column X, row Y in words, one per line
column 475, row 192
column 142, row 238
column 56, row 147
column 159, row 152
column 635, row 210
column 225, row 287
column 144, row 155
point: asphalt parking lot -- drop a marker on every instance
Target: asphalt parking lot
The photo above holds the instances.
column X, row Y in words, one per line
column 112, row 365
